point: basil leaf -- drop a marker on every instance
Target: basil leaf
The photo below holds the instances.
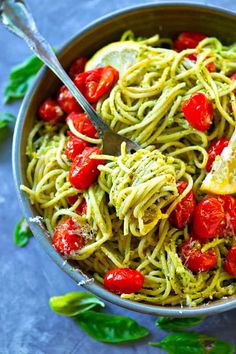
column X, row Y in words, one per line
column 74, row 303
column 21, row 77
column 193, row 343
column 177, row 324
column 110, row 328
column 5, row 119
column 22, row 233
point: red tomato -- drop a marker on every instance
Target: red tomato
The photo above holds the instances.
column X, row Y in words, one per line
column 82, row 124
column 50, row 111
column 187, row 40
column 67, row 237
column 198, row 110
column 82, row 207
column 74, row 147
column 93, row 84
column 77, row 66
column 230, row 261
column 67, row 102
column 229, row 205
column 183, row 211
column 208, row 218
column 123, row 280
column 83, row 171
column 233, row 77
column 215, row 150
column 211, row 66
column 196, row 260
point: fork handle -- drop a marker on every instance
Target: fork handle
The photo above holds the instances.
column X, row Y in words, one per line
column 18, row 19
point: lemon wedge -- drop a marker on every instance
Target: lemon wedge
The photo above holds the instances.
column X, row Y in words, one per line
column 222, row 177
column 120, row 55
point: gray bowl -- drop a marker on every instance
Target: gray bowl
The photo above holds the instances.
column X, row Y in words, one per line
column 169, row 20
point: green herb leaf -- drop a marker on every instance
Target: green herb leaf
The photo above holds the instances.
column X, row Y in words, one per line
column 22, row 233
column 110, row 328
column 193, row 343
column 177, row 324
column 21, row 77
column 5, row 119
column 74, row 303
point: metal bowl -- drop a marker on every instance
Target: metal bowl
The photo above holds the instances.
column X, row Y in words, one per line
column 167, row 19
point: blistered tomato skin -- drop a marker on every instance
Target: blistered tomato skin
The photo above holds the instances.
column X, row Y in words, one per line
column 82, row 207
column 50, row 111
column 123, row 280
column 67, row 102
column 188, row 40
column 208, row 219
column 199, row 111
column 77, row 67
column 74, row 147
column 230, row 261
column 82, row 124
column 215, row 150
column 196, row 260
column 84, row 169
column 183, row 212
column 229, row 205
column 67, row 238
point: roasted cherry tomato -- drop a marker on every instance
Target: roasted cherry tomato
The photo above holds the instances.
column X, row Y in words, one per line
column 83, row 171
column 229, row 205
column 208, row 218
column 210, row 67
column 233, row 77
column 74, row 147
column 93, row 84
column 50, row 111
column 183, row 211
column 67, row 102
column 67, row 237
column 82, row 124
column 123, row 280
column 196, row 260
column 215, row 150
column 198, row 110
column 77, row 67
column 82, row 207
column 187, row 40
column 230, row 261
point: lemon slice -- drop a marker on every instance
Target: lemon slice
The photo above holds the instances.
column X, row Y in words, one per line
column 120, row 55
column 222, row 177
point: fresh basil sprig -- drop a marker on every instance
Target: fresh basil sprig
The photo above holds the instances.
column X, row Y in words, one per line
column 177, row 324
column 110, row 328
column 74, row 303
column 22, row 233
column 193, row 343
column 5, row 119
column 20, row 78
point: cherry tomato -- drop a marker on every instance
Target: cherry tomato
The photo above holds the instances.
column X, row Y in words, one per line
column 82, row 124
column 183, row 211
column 198, row 110
column 187, row 40
column 67, row 238
column 67, row 102
column 77, row 66
column 50, row 111
column 93, row 84
column 210, row 67
column 208, row 218
column 82, row 207
column 215, row 150
column 233, row 77
column 230, row 261
column 123, row 280
column 229, row 205
column 83, row 171
column 74, row 147
column 196, row 260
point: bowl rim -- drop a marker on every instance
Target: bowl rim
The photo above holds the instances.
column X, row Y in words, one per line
column 170, row 311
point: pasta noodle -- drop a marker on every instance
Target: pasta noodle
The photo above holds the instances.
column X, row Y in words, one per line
column 127, row 219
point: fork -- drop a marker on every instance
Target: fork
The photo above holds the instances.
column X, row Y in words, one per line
column 17, row 18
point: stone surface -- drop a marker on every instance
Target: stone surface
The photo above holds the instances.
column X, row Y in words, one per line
column 27, row 276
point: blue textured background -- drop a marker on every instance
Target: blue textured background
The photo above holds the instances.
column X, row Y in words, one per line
column 27, row 276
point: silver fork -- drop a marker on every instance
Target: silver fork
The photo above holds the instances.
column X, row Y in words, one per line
column 18, row 19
